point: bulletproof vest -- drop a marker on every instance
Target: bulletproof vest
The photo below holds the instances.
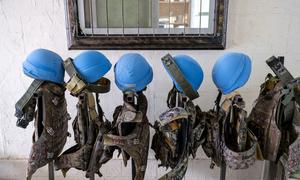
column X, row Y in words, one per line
column 239, row 143
column 291, row 146
column 291, row 159
column 88, row 126
column 51, row 123
column 130, row 134
column 178, row 133
column 78, row 156
column 88, row 133
column 228, row 137
column 263, row 117
column 287, row 116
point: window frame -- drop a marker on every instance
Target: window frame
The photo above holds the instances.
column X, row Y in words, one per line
column 79, row 41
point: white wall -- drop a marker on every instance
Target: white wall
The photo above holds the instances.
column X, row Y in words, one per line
column 260, row 28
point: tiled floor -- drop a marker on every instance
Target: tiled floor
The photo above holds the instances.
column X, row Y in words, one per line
column 114, row 170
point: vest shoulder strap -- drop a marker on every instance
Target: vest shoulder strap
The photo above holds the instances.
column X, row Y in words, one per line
column 24, row 101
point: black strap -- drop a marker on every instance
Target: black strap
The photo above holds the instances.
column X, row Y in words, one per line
column 99, row 109
column 171, row 100
column 217, row 101
column 175, row 72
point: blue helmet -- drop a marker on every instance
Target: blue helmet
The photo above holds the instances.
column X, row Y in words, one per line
column 91, row 65
column 132, row 73
column 231, row 72
column 44, row 65
column 190, row 69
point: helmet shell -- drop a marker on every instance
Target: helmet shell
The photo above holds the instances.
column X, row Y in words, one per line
column 44, row 65
column 231, row 72
column 132, row 73
column 190, row 69
column 91, row 65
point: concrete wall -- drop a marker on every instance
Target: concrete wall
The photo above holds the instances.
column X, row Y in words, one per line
column 260, row 28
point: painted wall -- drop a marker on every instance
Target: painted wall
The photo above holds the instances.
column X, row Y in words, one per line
column 260, row 28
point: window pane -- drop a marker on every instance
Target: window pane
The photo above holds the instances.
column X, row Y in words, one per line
column 131, row 13
column 145, row 13
column 205, row 5
column 87, row 14
column 135, row 13
column 200, row 7
column 204, row 21
column 114, row 13
column 179, row 13
column 183, row 13
column 101, row 13
column 164, row 13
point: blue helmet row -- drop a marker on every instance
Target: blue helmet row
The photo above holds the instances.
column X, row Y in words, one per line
column 46, row 65
column 134, row 73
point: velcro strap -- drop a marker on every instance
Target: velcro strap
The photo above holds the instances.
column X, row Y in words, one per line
column 77, row 84
column 121, row 141
column 175, row 72
column 92, row 107
column 22, row 102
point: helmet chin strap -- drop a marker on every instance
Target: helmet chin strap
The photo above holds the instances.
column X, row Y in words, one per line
column 77, row 84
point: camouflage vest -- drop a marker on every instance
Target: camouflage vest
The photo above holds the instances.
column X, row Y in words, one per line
column 275, row 120
column 262, row 119
column 86, row 126
column 51, row 125
column 228, row 137
column 88, row 154
column 291, row 159
column 130, row 134
column 179, row 133
column 291, row 156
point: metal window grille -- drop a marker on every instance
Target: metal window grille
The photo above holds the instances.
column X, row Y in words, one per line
column 146, row 17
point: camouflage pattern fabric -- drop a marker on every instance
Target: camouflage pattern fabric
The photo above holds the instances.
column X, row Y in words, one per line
column 212, row 144
column 100, row 155
column 130, row 134
column 228, row 137
column 262, row 119
column 291, row 159
column 87, row 129
column 240, row 160
column 239, row 144
column 51, row 126
column 179, row 133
